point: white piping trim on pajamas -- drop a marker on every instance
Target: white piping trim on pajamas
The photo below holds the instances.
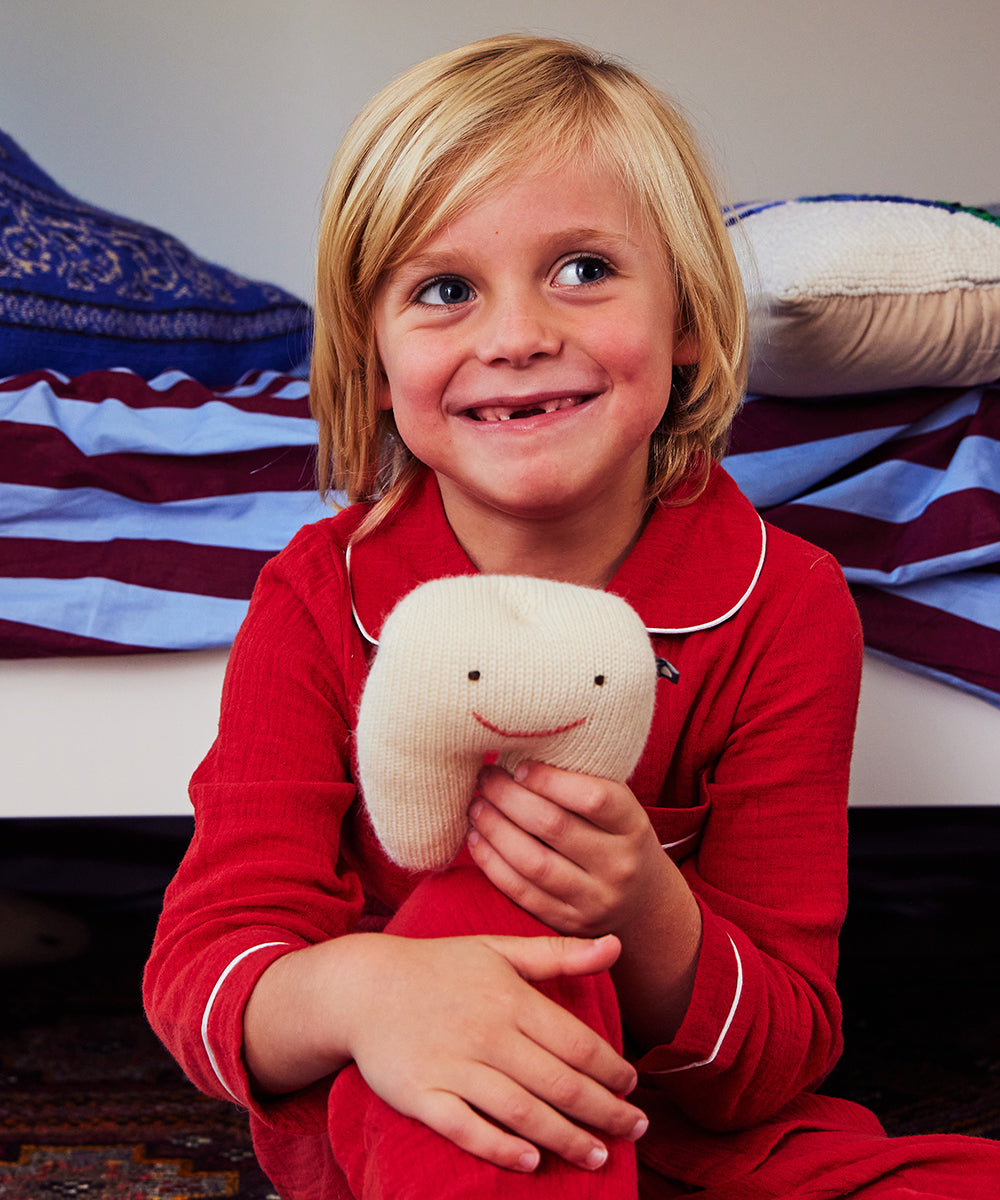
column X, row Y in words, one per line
column 725, row 1028
column 208, row 1011
column 680, row 841
column 350, row 591
column 683, row 629
column 739, row 603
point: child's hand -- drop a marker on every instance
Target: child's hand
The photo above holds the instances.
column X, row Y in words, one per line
column 580, row 854
column 466, row 1042
column 449, row 1032
column 576, row 852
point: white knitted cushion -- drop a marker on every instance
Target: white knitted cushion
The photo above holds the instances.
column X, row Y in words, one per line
column 495, row 664
column 853, row 294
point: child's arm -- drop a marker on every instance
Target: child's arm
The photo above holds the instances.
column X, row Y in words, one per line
column 449, row 1032
column 768, row 874
column 253, row 951
column 591, row 864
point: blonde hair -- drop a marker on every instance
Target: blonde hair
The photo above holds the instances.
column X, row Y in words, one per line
column 439, row 138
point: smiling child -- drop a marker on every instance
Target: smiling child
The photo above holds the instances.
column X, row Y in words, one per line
column 530, row 344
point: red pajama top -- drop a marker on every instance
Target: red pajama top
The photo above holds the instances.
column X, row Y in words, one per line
column 744, row 778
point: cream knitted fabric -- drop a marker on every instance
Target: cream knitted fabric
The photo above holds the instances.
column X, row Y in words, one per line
column 480, row 664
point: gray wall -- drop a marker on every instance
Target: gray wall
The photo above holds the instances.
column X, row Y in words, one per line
column 216, row 119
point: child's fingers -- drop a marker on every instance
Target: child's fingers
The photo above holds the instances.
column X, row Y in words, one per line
column 448, row 1115
column 524, row 1122
column 567, row 1041
column 556, row 805
column 539, row 1095
column 570, row 875
column 525, row 827
column 471, row 1043
column 554, row 894
column 535, row 848
column 608, row 805
column 546, row 957
column 580, row 1074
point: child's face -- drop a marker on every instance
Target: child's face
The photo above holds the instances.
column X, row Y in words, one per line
column 528, row 347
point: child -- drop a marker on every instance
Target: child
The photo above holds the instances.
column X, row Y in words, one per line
column 530, row 342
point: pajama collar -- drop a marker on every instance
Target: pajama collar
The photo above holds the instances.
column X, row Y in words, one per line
column 693, row 567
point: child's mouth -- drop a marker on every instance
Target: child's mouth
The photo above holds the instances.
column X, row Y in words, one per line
column 492, row 413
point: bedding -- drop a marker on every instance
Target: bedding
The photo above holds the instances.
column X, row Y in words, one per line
column 855, row 294
column 136, row 515
column 903, row 488
column 139, row 499
column 873, row 422
column 83, row 289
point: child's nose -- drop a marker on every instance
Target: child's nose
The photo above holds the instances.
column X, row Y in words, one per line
column 517, row 332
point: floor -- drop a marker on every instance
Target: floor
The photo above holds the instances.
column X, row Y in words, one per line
column 920, row 966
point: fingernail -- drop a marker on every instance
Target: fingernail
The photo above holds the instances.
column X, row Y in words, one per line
column 528, row 1160
column 520, row 771
column 476, row 809
column 596, row 1158
column 638, row 1129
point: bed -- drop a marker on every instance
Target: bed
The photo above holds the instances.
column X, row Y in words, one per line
column 156, row 448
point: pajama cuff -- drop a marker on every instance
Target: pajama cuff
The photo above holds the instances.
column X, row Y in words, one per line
column 222, row 1041
column 705, row 1038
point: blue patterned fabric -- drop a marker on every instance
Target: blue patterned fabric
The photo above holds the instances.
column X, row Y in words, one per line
column 83, row 289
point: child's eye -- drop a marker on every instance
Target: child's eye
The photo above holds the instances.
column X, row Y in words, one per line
column 584, row 269
column 447, row 290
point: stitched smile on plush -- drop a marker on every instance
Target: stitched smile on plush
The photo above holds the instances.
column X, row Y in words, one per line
column 562, row 674
column 510, row 733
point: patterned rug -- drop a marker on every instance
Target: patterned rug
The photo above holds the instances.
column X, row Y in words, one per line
column 92, row 1108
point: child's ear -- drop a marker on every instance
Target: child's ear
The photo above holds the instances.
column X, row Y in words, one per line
column 383, row 394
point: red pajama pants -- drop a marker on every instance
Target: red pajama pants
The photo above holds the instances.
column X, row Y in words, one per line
column 386, row 1155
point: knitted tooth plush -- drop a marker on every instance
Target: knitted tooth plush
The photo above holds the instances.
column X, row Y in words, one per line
column 495, row 664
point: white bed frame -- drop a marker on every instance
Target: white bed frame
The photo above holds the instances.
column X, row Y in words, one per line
column 120, row 736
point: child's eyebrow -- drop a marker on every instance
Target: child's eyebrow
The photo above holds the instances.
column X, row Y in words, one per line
column 582, row 237
column 431, row 262
column 561, row 241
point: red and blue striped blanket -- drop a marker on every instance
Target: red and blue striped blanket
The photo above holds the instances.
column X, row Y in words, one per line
column 135, row 515
column 904, row 489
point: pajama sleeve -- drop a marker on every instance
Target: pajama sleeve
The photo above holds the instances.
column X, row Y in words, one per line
column 770, row 870
column 264, row 873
